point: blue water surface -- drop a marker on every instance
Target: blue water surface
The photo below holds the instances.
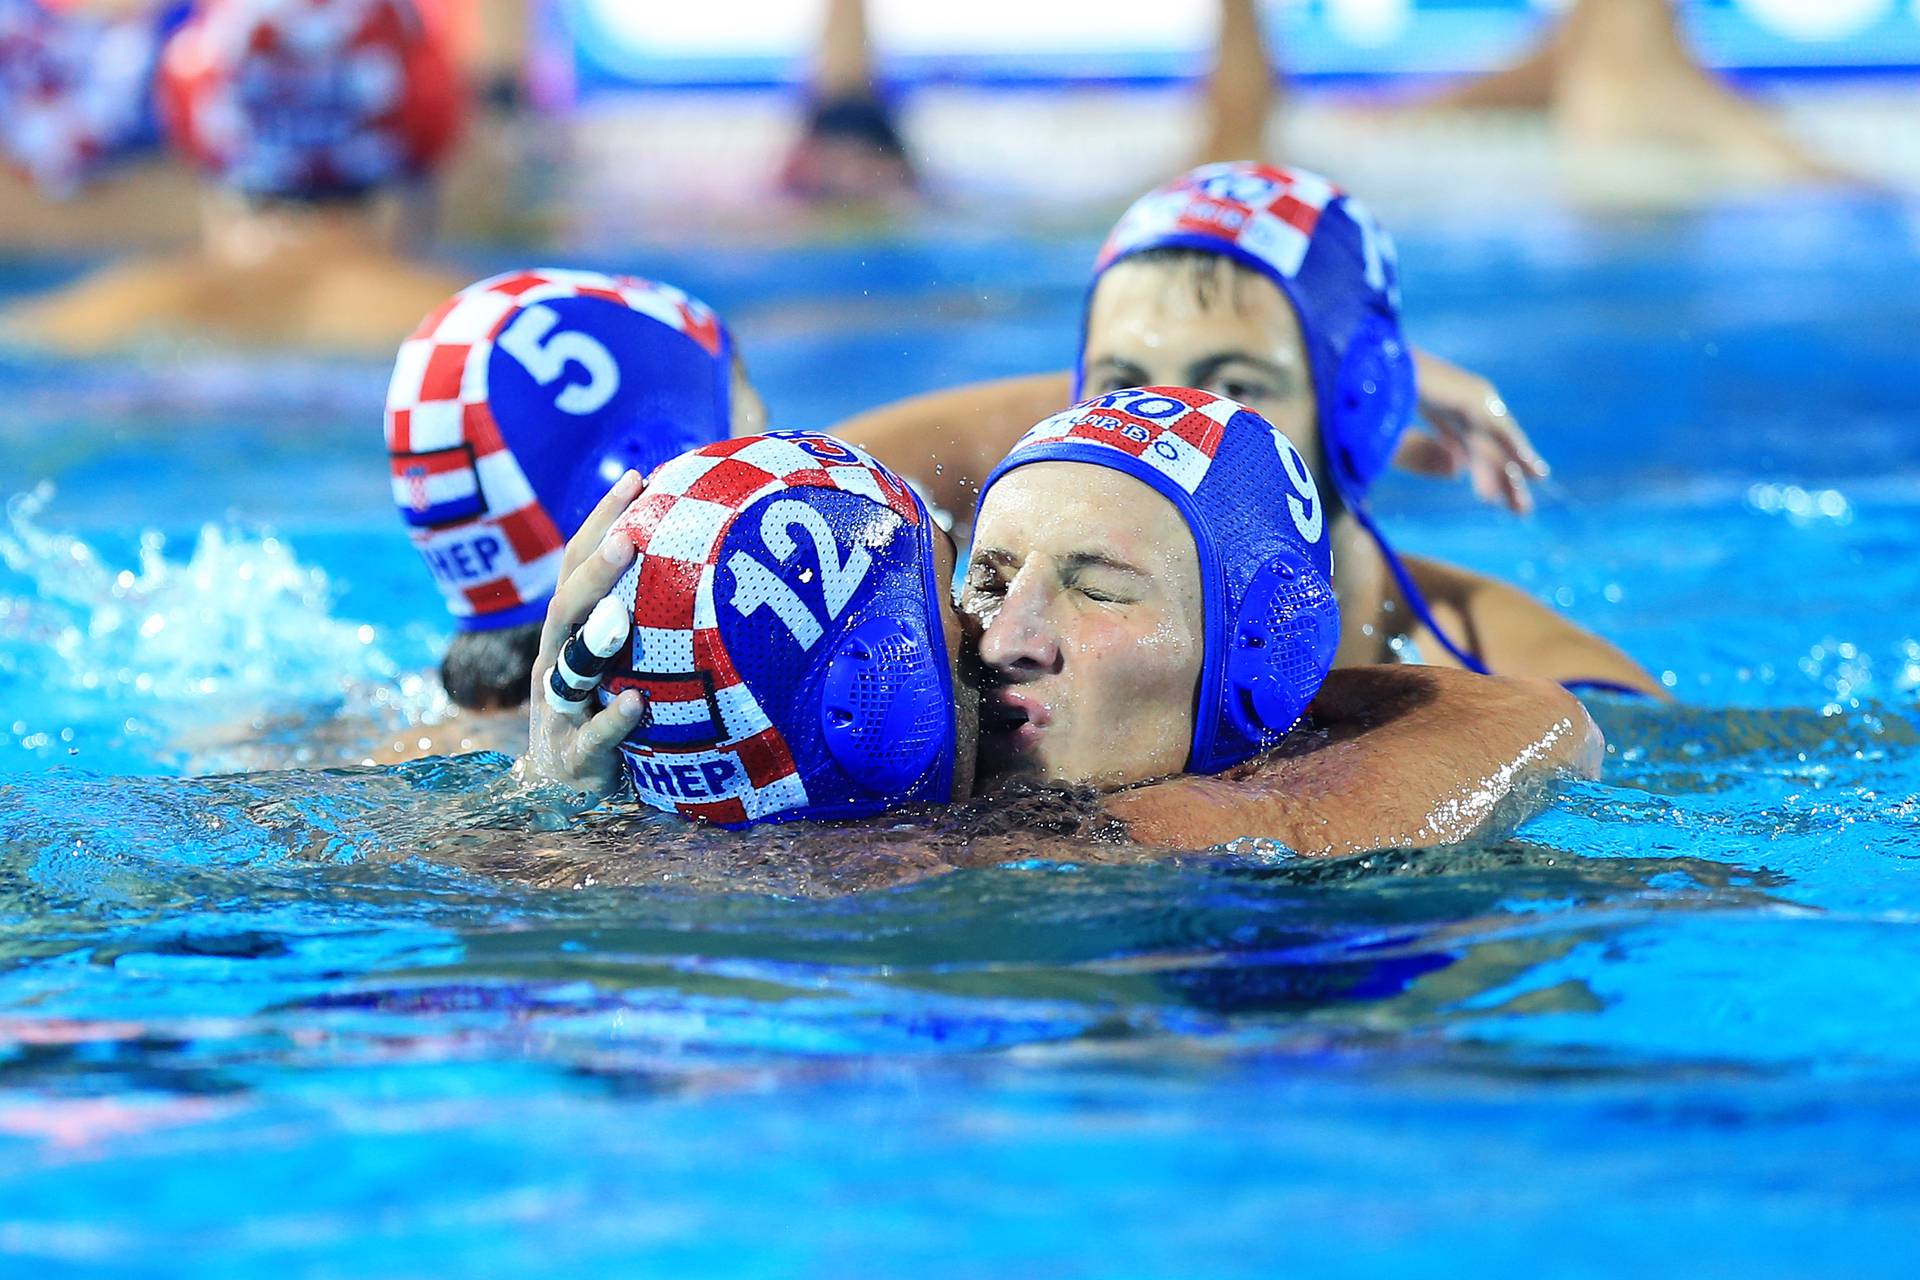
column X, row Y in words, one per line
column 283, row 1024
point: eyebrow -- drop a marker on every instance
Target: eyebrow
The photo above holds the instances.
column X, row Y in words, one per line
column 1077, row 560
column 1072, row 562
column 1126, row 368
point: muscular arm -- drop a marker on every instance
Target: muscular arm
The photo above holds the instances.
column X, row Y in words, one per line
column 1516, row 635
column 1394, row 757
column 947, row 441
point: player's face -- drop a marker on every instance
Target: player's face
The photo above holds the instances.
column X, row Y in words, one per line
column 1205, row 323
column 1086, row 586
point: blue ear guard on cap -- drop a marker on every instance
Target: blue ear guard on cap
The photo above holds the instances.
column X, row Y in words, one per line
column 1266, row 571
column 1337, row 267
column 788, row 637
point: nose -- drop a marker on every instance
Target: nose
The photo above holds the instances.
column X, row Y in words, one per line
column 1020, row 642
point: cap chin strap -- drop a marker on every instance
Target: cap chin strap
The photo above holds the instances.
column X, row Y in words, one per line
column 1415, row 599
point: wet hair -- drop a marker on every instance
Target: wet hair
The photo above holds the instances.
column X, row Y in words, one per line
column 1210, row 274
column 491, row 670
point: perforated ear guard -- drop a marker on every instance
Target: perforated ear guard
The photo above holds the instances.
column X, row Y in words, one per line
column 1282, row 644
column 1372, row 402
column 879, row 704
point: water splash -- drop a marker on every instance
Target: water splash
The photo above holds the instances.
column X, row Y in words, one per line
column 237, row 628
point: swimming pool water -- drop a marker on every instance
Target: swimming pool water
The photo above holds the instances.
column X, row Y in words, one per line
column 281, row 1024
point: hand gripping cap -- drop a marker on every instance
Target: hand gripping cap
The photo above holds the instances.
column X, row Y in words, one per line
column 1266, row 571
column 788, row 636
column 1333, row 262
column 311, row 99
column 520, row 400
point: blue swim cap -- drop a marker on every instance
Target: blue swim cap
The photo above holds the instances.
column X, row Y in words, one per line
column 1333, row 262
column 787, row 635
column 1266, row 571
column 516, row 405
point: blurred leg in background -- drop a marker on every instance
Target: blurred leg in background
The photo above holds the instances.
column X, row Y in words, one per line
column 1240, row 91
column 1618, row 74
column 849, row 148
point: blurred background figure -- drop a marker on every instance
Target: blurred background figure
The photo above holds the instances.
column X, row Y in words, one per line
column 1611, row 75
column 76, row 88
column 1615, row 74
column 308, row 120
column 77, row 118
column 849, row 147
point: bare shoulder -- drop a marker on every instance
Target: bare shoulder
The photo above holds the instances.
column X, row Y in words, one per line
column 372, row 302
column 114, row 306
column 1391, row 756
column 1516, row 634
column 948, row 441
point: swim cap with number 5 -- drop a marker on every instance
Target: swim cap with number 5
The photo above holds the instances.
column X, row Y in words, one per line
column 519, row 401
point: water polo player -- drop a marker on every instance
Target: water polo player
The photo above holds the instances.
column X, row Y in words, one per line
column 1273, row 286
column 774, row 557
column 511, row 409
column 307, row 119
column 1150, row 571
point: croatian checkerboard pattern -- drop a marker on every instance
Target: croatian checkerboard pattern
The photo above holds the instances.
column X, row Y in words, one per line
column 453, row 475
column 702, row 716
column 1267, row 212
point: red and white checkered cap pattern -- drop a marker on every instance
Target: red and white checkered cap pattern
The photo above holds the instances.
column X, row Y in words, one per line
column 440, row 422
column 1181, row 446
column 73, row 87
column 294, row 96
column 678, row 526
column 1267, row 212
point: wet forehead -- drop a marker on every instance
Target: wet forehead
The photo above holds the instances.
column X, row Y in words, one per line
column 1078, row 509
column 1153, row 311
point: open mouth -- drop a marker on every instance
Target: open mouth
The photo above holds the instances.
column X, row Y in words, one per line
column 1021, row 718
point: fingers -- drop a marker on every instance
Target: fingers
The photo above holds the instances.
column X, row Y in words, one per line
column 580, row 591
column 1497, row 424
column 1436, row 457
column 1464, row 408
column 599, row 520
column 1498, row 480
column 604, row 731
column 573, row 678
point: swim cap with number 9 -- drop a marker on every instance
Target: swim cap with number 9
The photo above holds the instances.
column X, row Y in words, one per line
column 1266, row 569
